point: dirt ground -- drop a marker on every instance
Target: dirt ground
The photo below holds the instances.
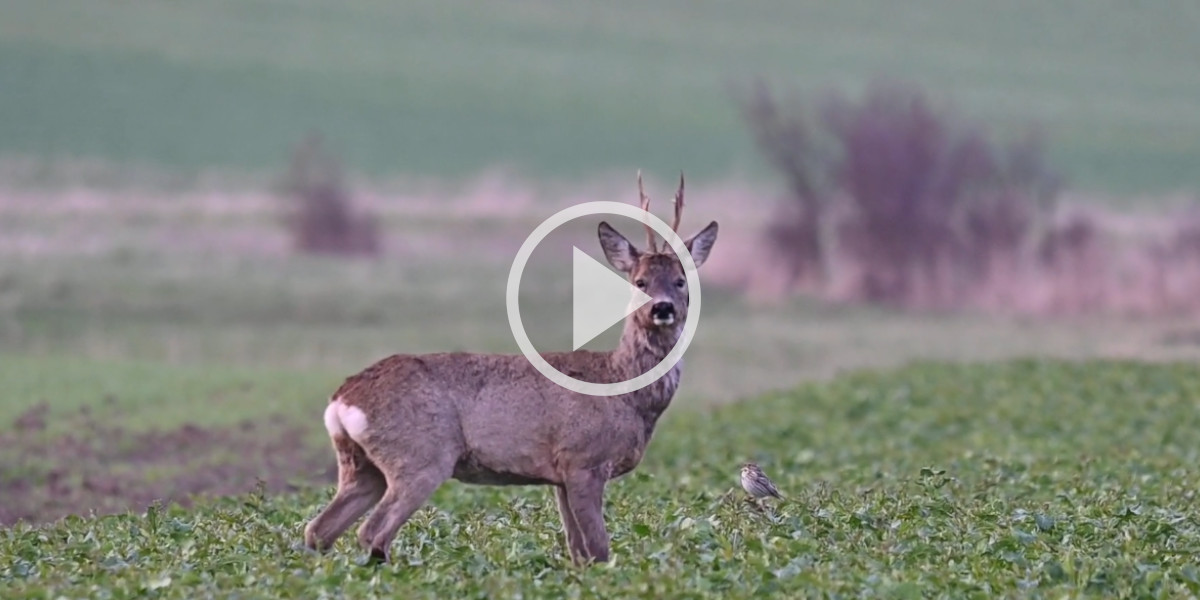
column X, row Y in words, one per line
column 101, row 468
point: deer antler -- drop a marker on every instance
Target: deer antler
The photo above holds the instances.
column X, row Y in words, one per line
column 678, row 205
column 651, row 247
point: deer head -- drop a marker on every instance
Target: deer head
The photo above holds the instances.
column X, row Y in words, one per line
column 658, row 272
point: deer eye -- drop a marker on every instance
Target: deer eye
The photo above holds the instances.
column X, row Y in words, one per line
column 679, row 283
column 641, row 284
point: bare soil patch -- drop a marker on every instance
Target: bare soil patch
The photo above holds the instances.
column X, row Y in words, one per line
column 98, row 467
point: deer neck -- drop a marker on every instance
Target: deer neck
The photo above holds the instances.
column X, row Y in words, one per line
column 639, row 351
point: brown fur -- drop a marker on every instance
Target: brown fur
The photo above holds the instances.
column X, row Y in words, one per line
column 494, row 420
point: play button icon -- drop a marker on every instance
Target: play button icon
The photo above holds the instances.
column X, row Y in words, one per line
column 599, row 298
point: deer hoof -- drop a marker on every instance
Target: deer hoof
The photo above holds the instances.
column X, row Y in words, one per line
column 379, row 556
column 314, row 543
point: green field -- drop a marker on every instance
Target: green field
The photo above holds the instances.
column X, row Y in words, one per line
column 448, row 88
column 1021, row 479
column 169, row 285
column 160, row 341
column 140, row 336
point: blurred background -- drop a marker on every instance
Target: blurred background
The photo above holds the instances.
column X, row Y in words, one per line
column 212, row 212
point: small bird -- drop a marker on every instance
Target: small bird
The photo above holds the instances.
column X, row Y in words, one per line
column 756, row 483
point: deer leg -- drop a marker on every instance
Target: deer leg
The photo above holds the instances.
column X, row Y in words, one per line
column 360, row 485
column 405, row 494
column 575, row 543
column 585, row 496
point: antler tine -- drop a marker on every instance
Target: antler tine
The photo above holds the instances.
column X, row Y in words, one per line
column 678, row 205
column 651, row 247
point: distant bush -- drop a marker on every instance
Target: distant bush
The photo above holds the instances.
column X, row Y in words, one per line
column 788, row 143
column 320, row 214
column 921, row 206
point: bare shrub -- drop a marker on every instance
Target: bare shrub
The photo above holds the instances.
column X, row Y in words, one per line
column 932, row 212
column 1075, row 258
column 787, row 142
column 1003, row 220
column 897, row 200
column 320, row 214
column 1177, row 265
column 903, row 170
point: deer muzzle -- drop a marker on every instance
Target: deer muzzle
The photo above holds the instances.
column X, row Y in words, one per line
column 662, row 313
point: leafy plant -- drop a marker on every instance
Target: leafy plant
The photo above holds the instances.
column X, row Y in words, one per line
column 1018, row 479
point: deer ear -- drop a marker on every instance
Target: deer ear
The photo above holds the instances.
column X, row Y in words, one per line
column 700, row 244
column 619, row 252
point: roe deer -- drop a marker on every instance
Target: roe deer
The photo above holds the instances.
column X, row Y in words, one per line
column 408, row 423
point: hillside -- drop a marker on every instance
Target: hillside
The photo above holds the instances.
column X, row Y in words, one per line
column 447, row 88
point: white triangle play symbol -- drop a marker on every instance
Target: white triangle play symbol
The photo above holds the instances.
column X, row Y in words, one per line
column 599, row 298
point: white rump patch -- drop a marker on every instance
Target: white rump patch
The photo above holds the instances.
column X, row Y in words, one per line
column 354, row 420
column 343, row 419
column 332, row 424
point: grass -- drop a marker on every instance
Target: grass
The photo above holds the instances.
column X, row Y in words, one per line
column 145, row 395
column 204, row 282
column 448, row 87
column 194, row 320
column 1020, row 479
column 167, row 321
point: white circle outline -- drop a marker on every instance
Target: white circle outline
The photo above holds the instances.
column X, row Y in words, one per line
column 512, row 301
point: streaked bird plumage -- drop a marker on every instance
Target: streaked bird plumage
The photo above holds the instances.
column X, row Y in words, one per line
column 756, row 483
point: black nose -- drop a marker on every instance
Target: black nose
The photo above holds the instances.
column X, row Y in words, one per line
column 662, row 310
